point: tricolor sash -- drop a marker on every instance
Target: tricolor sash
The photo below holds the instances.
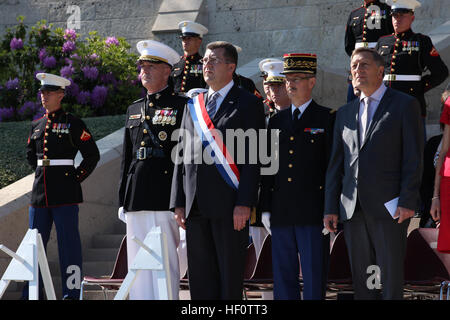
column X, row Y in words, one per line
column 205, row 129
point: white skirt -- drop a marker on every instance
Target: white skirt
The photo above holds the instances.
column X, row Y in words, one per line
column 139, row 223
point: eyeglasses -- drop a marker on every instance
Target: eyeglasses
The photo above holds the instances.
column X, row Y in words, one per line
column 213, row 61
column 297, row 79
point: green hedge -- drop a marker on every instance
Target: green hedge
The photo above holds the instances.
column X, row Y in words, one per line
column 14, row 135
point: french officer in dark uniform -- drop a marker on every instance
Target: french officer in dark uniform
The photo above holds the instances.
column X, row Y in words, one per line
column 146, row 169
column 293, row 198
column 187, row 73
column 365, row 25
column 408, row 55
column 52, row 145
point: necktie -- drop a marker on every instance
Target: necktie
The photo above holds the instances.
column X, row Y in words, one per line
column 211, row 106
column 365, row 118
column 296, row 118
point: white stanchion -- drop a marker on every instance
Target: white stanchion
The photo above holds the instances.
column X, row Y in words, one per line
column 152, row 255
column 25, row 264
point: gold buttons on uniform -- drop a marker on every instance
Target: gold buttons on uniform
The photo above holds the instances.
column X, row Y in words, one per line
column 187, row 61
column 291, row 138
column 45, row 141
column 290, row 165
column 143, row 144
column 392, row 69
column 45, row 149
column 67, row 174
column 291, row 151
column 47, row 127
column 312, row 140
column 289, row 179
column 82, row 171
column 45, row 157
column 321, row 187
column 151, row 104
column 147, row 117
column 185, row 72
column 165, row 172
column 184, row 77
column 145, row 131
column 46, row 134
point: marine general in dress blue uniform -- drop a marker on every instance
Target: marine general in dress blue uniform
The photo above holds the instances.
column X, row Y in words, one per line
column 53, row 143
column 294, row 197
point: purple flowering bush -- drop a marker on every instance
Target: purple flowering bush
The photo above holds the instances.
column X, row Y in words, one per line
column 102, row 71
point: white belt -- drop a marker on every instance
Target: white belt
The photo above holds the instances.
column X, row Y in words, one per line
column 401, row 77
column 365, row 45
column 55, row 162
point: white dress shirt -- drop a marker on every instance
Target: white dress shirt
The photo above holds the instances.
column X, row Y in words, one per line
column 302, row 108
column 374, row 102
column 223, row 93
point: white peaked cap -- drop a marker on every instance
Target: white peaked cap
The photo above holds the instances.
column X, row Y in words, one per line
column 403, row 4
column 191, row 28
column 155, row 51
column 262, row 62
column 52, row 82
column 274, row 71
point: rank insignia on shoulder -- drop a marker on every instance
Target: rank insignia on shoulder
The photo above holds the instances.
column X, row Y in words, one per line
column 135, row 116
column 434, row 52
column 314, row 130
column 85, row 136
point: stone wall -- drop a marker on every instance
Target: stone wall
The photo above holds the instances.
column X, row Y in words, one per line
column 263, row 28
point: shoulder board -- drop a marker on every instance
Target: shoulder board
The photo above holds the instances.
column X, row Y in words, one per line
column 138, row 100
column 36, row 120
column 386, row 36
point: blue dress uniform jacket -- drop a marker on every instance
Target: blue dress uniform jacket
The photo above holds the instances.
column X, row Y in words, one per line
column 412, row 53
column 60, row 135
column 146, row 169
column 188, row 74
column 360, row 29
column 295, row 195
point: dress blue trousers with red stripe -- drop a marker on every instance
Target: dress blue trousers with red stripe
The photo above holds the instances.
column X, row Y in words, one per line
column 287, row 243
column 69, row 244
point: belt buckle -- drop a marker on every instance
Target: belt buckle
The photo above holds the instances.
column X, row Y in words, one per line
column 45, row 162
column 392, row 77
column 142, row 153
column 366, row 44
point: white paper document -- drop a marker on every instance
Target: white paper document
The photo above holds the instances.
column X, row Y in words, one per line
column 391, row 206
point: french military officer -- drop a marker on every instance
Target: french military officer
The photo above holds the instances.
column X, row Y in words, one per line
column 146, row 169
column 187, row 73
column 293, row 198
column 53, row 143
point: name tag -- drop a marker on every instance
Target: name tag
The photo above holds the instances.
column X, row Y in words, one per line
column 135, row 116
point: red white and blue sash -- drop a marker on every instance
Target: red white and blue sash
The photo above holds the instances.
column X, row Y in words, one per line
column 206, row 130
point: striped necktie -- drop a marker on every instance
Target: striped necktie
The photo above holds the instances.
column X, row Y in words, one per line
column 211, row 106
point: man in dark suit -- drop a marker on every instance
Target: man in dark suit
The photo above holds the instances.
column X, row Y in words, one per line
column 293, row 197
column 213, row 210
column 376, row 157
